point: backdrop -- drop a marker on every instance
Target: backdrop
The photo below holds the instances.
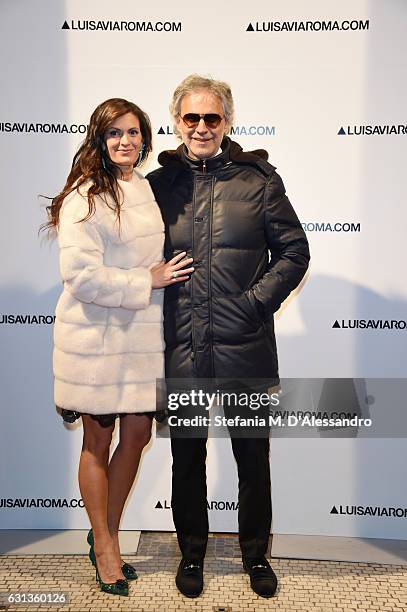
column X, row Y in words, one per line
column 320, row 85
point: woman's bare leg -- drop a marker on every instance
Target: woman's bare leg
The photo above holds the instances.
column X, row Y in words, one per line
column 135, row 433
column 93, row 483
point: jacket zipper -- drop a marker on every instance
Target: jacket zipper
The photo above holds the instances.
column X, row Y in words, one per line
column 192, row 287
column 210, row 274
column 192, row 355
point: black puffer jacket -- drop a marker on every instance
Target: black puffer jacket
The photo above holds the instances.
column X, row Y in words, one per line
column 231, row 214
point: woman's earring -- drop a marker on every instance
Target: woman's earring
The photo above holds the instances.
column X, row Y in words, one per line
column 103, row 146
column 140, row 155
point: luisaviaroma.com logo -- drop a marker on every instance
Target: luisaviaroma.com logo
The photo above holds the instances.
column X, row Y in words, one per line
column 165, row 130
column 235, row 130
column 253, row 130
column 212, row 505
column 331, row 226
column 385, row 129
column 26, row 319
column 40, row 502
column 27, row 127
column 109, row 25
column 378, row 324
column 345, row 25
column 388, row 511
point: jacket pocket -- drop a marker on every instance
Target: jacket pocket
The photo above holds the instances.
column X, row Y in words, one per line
column 257, row 315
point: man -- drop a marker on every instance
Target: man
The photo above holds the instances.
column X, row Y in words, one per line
column 228, row 210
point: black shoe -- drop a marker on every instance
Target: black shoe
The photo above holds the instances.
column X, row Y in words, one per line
column 262, row 578
column 189, row 578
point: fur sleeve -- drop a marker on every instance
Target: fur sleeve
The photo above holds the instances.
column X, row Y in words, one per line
column 82, row 268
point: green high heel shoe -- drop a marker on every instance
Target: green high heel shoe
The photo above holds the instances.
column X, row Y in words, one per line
column 120, row 587
column 128, row 570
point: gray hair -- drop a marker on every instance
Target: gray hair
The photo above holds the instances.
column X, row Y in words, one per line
column 194, row 83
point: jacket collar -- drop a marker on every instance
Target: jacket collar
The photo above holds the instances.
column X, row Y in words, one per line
column 210, row 164
column 231, row 152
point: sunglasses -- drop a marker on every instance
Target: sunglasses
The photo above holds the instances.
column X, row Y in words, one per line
column 212, row 120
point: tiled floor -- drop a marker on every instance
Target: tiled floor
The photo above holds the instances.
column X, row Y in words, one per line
column 319, row 586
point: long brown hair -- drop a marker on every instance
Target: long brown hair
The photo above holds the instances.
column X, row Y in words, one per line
column 92, row 162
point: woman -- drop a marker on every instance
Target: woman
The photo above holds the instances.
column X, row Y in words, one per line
column 108, row 346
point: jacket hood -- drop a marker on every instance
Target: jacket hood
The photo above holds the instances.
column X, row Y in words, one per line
column 231, row 151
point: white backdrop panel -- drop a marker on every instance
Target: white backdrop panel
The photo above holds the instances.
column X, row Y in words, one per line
column 294, row 91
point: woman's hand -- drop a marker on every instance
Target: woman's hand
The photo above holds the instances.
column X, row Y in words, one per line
column 164, row 274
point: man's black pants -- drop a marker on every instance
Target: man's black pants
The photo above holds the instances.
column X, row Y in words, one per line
column 189, row 494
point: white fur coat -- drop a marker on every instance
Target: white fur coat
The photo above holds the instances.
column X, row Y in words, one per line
column 108, row 338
